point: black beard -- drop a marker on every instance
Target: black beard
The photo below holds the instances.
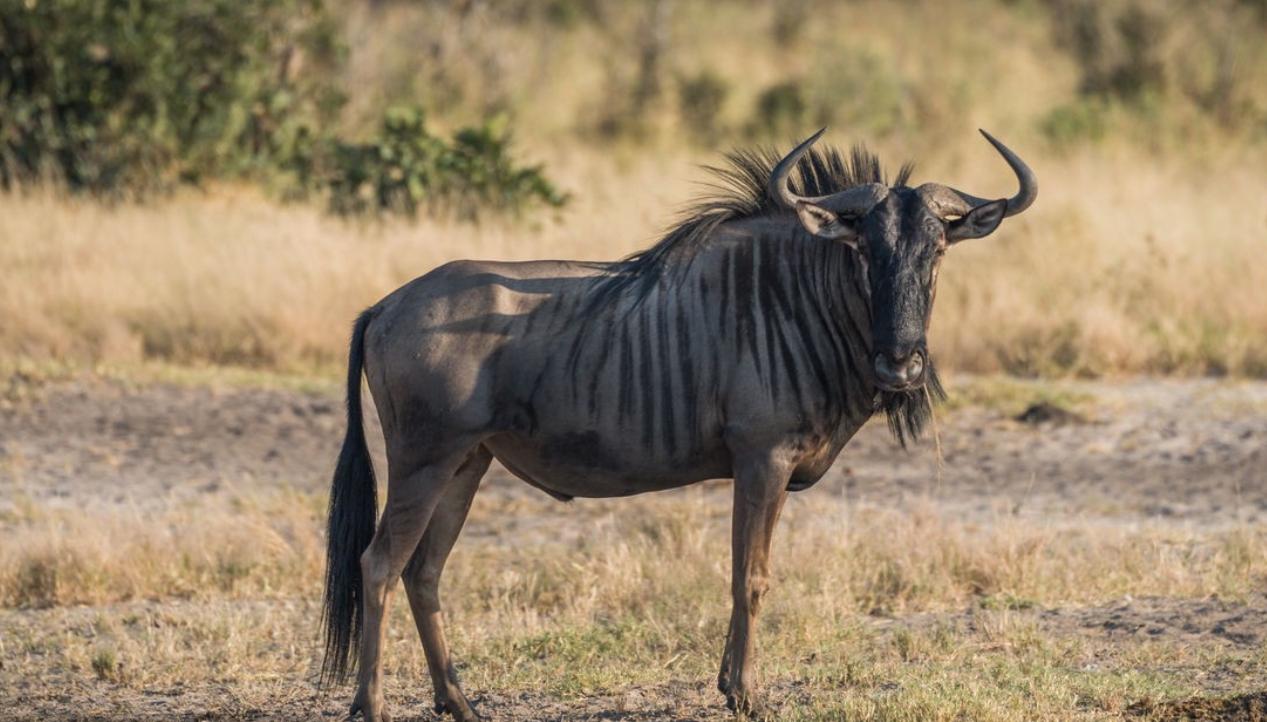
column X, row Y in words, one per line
column 910, row 410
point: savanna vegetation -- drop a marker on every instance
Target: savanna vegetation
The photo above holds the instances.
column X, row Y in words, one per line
column 204, row 194
column 171, row 168
column 878, row 614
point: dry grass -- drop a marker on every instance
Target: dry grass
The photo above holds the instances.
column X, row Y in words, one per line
column 258, row 544
column 233, row 279
column 628, row 594
column 1142, row 254
column 911, row 74
column 843, row 560
column 1124, row 266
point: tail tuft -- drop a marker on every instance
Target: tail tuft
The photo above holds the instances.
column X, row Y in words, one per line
column 353, row 508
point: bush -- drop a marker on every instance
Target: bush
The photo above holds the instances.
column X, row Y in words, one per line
column 781, row 110
column 1166, row 63
column 856, row 90
column 132, row 95
column 1117, row 47
column 789, row 21
column 859, row 89
column 700, row 101
column 406, row 168
column 1071, row 123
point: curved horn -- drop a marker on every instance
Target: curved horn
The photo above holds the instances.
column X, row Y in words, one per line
column 856, row 199
column 955, row 202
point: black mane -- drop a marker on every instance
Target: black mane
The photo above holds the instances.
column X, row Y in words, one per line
column 740, row 189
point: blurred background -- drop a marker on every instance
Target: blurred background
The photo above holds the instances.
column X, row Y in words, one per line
column 228, row 181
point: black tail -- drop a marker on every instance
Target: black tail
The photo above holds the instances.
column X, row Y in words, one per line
column 353, row 506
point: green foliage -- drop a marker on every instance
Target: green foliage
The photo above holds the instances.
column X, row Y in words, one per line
column 105, row 664
column 1071, row 123
column 1165, row 63
column 859, row 89
column 789, row 21
column 131, row 95
column 781, row 110
column 701, row 98
column 568, row 13
column 1118, row 47
column 406, row 168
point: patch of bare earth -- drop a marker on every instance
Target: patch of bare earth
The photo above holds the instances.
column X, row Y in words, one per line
column 1186, row 450
column 1179, row 455
column 1251, row 707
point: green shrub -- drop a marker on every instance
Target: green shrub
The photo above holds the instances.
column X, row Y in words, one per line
column 105, row 664
column 1081, row 120
column 1119, row 47
column 1166, row 64
column 131, row 95
column 569, row 13
column 781, row 110
column 856, row 90
column 405, row 169
column 789, row 20
column 861, row 90
column 701, row 98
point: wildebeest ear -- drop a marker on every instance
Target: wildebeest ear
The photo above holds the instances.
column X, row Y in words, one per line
column 979, row 222
column 826, row 224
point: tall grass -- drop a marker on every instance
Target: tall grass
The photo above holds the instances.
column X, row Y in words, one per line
column 1144, row 122
column 883, row 614
column 1124, row 265
column 1162, row 75
column 259, row 544
column 661, row 556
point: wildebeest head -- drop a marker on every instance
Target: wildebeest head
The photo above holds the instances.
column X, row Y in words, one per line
column 901, row 234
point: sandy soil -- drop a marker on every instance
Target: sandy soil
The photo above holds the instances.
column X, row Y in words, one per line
column 1190, row 453
column 1194, row 451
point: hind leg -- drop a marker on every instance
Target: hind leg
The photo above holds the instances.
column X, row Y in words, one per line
column 412, row 497
column 422, row 582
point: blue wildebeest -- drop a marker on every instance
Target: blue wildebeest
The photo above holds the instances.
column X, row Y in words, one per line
column 751, row 342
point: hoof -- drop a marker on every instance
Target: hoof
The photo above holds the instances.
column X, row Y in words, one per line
column 746, row 707
column 460, row 709
column 359, row 708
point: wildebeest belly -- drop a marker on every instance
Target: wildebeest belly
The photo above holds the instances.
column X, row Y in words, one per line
column 586, row 463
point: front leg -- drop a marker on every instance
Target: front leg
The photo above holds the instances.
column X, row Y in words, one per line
column 760, row 490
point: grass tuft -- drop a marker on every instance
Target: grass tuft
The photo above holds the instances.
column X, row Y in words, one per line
column 873, row 614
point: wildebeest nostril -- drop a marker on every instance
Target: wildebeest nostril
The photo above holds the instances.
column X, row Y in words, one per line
column 889, row 371
column 893, row 371
column 915, row 366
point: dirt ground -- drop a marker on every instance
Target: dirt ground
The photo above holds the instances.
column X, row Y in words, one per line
column 1190, row 451
column 1187, row 453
